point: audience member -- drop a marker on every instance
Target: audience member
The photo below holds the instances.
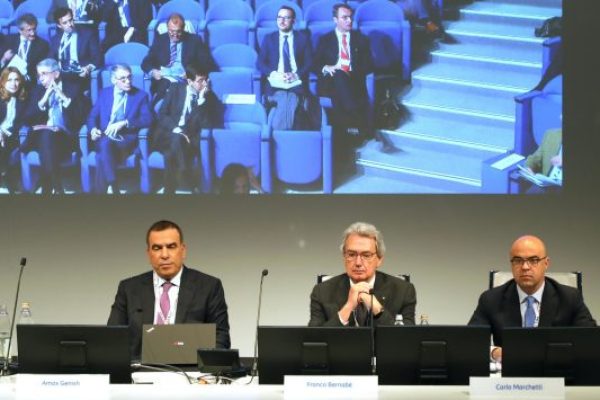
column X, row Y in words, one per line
column 126, row 21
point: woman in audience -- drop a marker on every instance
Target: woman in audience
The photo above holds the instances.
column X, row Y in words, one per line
column 12, row 108
column 237, row 179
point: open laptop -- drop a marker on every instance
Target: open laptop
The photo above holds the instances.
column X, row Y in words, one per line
column 176, row 344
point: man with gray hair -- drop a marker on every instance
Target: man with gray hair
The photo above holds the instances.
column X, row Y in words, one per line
column 119, row 113
column 346, row 299
column 55, row 114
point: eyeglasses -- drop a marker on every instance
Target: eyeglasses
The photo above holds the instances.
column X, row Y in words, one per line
column 353, row 255
column 285, row 18
column 177, row 32
column 532, row 261
column 124, row 78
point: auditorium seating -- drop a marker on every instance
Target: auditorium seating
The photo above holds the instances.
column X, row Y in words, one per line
column 229, row 22
column 265, row 18
column 40, row 9
column 191, row 10
column 237, row 71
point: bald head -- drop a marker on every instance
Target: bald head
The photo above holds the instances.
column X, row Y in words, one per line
column 529, row 262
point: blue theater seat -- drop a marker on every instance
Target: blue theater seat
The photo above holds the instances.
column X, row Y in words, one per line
column 237, row 71
column 191, row 10
column 265, row 18
column 229, row 22
column 40, row 9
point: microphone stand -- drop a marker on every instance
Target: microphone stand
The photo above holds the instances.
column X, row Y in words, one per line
column 14, row 314
column 373, row 359
column 254, row 372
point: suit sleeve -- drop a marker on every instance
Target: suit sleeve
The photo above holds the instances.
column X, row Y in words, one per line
column 307, row 55
column 142, row 117
column 480, row 315
column 217, row 313
column 262, row 63
column 165, row 120
column 404, row 305
column 151, row 62
column 318, row 312
column 93, row 120
column 118, row 311
column 582, row 315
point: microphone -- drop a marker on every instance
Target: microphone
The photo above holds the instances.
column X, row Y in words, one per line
column 264, row 273
column 14, row 315
column 372, row 326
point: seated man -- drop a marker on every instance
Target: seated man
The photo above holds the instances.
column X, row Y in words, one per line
column 126, row 21
column 120, row 112
column 170, row 294
column 76, row 49
column 187, row 108
column 530, row 299
column 547, row 160
column 27, row 45
column 346, row 300
column 55, row 114
column 170, row 53
column 84, row 11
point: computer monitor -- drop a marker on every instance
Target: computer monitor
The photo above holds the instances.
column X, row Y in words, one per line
column 570, row 352
column 75, row 349
column 312, row 351
column 430, row 355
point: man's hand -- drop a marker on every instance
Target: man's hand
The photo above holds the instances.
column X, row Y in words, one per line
column 356, row 290
column 289, row 77
column 155, row 74
column 85, row 71
column 365, row 298
column 497, row 354
column 330, row 69
column 8, row 54
column 95, row 134
column 114, row 128
column 556, row 161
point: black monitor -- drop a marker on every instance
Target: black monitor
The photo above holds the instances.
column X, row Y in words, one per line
column 75, row 349
column 569, row 352
column 429, row 355
column 312, row 351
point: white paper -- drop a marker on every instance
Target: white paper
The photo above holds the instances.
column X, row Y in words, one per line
column 507, row 161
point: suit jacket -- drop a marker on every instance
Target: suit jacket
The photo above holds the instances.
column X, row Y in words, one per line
column 201, row 299
column 38, row 50
column 21, row 108
column 205, row 116
column 268, row 57
column 74, row 115
column 395, row 295
column 540, row 160
column 140, row 12
column 193, row 49
column 561, row 306
column 137, row 110
column 328, row 53
column 88, row 49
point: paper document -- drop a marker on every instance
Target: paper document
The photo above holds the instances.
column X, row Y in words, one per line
column 538, row 179
column 281, row 84
column 19, row 64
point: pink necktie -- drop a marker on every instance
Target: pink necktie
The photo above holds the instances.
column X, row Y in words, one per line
column 345, row 55
column 165, row 305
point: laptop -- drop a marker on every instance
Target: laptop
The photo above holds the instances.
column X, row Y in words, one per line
column 176, row 344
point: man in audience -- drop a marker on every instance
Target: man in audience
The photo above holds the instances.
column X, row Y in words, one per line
column 83, row 11
column 530, row 299
column 170, row 53
column 346, row 299
column 186, row 110
column 171, row 293
column 126, row 21
column 55, row 114
column 116, row 117
column 547, row 160
column 27, row 45
column 77, row 50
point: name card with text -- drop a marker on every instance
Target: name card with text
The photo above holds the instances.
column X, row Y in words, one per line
column 328, row 386
column 522, row 388
column 44, row 386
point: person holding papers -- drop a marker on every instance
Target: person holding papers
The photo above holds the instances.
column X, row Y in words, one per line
column 530, row 299
column 345, row 300
column 55, row 113
column 25, row 49
column 12, row 107
column 186, row 110
column 171, row 293
column 170, row 53
column 120, row 112
column 547, row 161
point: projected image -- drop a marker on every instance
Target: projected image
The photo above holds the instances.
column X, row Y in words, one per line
column 281, row 97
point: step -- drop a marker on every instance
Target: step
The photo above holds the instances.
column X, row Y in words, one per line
column 372, row 184
column 508, row 53
column 495, row 26
column 445, row 169
column 499, row 43
column 517, row 12
column 536, row 3
column 493, row 137
column 480, row 72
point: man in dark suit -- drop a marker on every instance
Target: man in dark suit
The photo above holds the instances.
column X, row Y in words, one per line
column 345, row 299
column 77, row 50
column 286, row 55
column 126, row 21
column 27, row 45
column 530, row 299
column 342, row 61
column 84, row 11
column 55, row 114
column 171, row 52
column 187, row 108
column 170, row 294
column 120, row 112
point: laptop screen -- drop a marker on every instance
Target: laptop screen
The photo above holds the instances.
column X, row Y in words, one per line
column 176, row 344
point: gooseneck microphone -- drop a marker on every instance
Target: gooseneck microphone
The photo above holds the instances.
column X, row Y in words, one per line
column 264, row 273
column 373, row 359
column 14, row 315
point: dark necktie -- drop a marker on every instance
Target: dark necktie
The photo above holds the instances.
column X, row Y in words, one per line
column 66, row 53
column 173, row 54
column 126, row 12
column 120, row 111
column 362, row 315
column 287, row 63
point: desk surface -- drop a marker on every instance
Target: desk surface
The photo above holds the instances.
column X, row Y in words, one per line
column 175, row 387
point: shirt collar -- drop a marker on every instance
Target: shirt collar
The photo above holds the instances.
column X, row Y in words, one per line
column 371, row 281
column 537, row 295
column 158, row 281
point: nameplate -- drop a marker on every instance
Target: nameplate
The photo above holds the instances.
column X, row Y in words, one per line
column 507, row 161
column 37, row 386
column 239, row 99
column 522, row 388
column 327, row 386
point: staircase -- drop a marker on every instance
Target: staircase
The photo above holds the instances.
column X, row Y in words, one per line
column 460, row 105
